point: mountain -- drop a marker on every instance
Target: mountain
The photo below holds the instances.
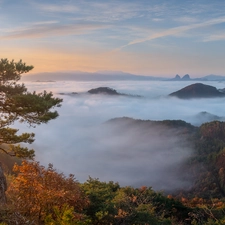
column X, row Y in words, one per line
column 204, row 117
column 156, row 149
column 213, row 77
column 103, row 90
column 186, row 77
column 202, row 171
column 85, row 76
column 208, row 117
column 109, row 91
column 109, row 75
column 198, row 90
column 177, row 77
column 210, row 77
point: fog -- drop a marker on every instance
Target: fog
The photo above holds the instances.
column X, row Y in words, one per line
column 79, row 142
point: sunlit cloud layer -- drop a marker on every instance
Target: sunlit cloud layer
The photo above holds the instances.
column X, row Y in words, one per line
column 77, row 141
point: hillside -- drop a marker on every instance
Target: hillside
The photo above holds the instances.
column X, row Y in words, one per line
column 202, row 169
column 63, row 199
column 197, row 90
column 100, row 91
column 109, row 91
column 103, row 90
column 204, row 117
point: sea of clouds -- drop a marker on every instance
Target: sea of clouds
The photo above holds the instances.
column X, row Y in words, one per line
column 77, row 143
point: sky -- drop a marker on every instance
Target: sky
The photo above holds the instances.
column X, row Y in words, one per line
column 79, row 142
column 143, row 37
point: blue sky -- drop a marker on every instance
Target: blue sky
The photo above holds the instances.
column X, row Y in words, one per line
column 159, row 38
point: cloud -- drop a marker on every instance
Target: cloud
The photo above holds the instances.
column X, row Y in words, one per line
column 56, row 8
column 77, row 141
column 157, row 19
column 186, row 19
column 93, row 11
column 82, row 17
column 111, row 11
column 175, row 31
column 215, row 37
column 50, row 28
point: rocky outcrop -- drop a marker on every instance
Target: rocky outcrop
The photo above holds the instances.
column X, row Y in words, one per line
column 177, row 77
column 186, row 77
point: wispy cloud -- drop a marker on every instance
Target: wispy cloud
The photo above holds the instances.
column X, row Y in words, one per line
column 93, row 11
column 50, row 28
column 109, row 11
column 157, row 19
column 186, row 19
column 174, row 31
column 215, row 37
column 58, row 8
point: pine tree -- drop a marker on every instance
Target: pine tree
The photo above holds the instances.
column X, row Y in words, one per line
column 18, row 104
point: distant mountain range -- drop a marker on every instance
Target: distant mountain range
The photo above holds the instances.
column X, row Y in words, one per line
column 210, row 77
column 110, row 75
column 85, row 76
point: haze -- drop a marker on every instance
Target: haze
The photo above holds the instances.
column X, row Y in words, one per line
column 77, row 141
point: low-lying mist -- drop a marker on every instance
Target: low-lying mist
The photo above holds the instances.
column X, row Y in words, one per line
column 80, row 142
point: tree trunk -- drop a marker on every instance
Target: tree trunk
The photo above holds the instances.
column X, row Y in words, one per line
column 3, row 186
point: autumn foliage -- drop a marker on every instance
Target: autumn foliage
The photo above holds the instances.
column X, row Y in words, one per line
column 37, row 191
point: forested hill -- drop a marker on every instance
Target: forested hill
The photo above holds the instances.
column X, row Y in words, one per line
column 54, row 198
column 198, row 90
column 201, row 172
column 173, row 124
column 204, row 167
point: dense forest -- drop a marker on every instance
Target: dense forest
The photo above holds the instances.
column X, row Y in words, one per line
column 33, row 194
column 39, row 195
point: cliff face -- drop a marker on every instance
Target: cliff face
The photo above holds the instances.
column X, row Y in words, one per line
column 198, row 90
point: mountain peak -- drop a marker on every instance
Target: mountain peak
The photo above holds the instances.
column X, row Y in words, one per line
column 177, row 77
column 186, row 77
column 198, row 90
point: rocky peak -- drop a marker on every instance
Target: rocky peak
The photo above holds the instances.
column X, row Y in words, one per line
column 186, row 77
